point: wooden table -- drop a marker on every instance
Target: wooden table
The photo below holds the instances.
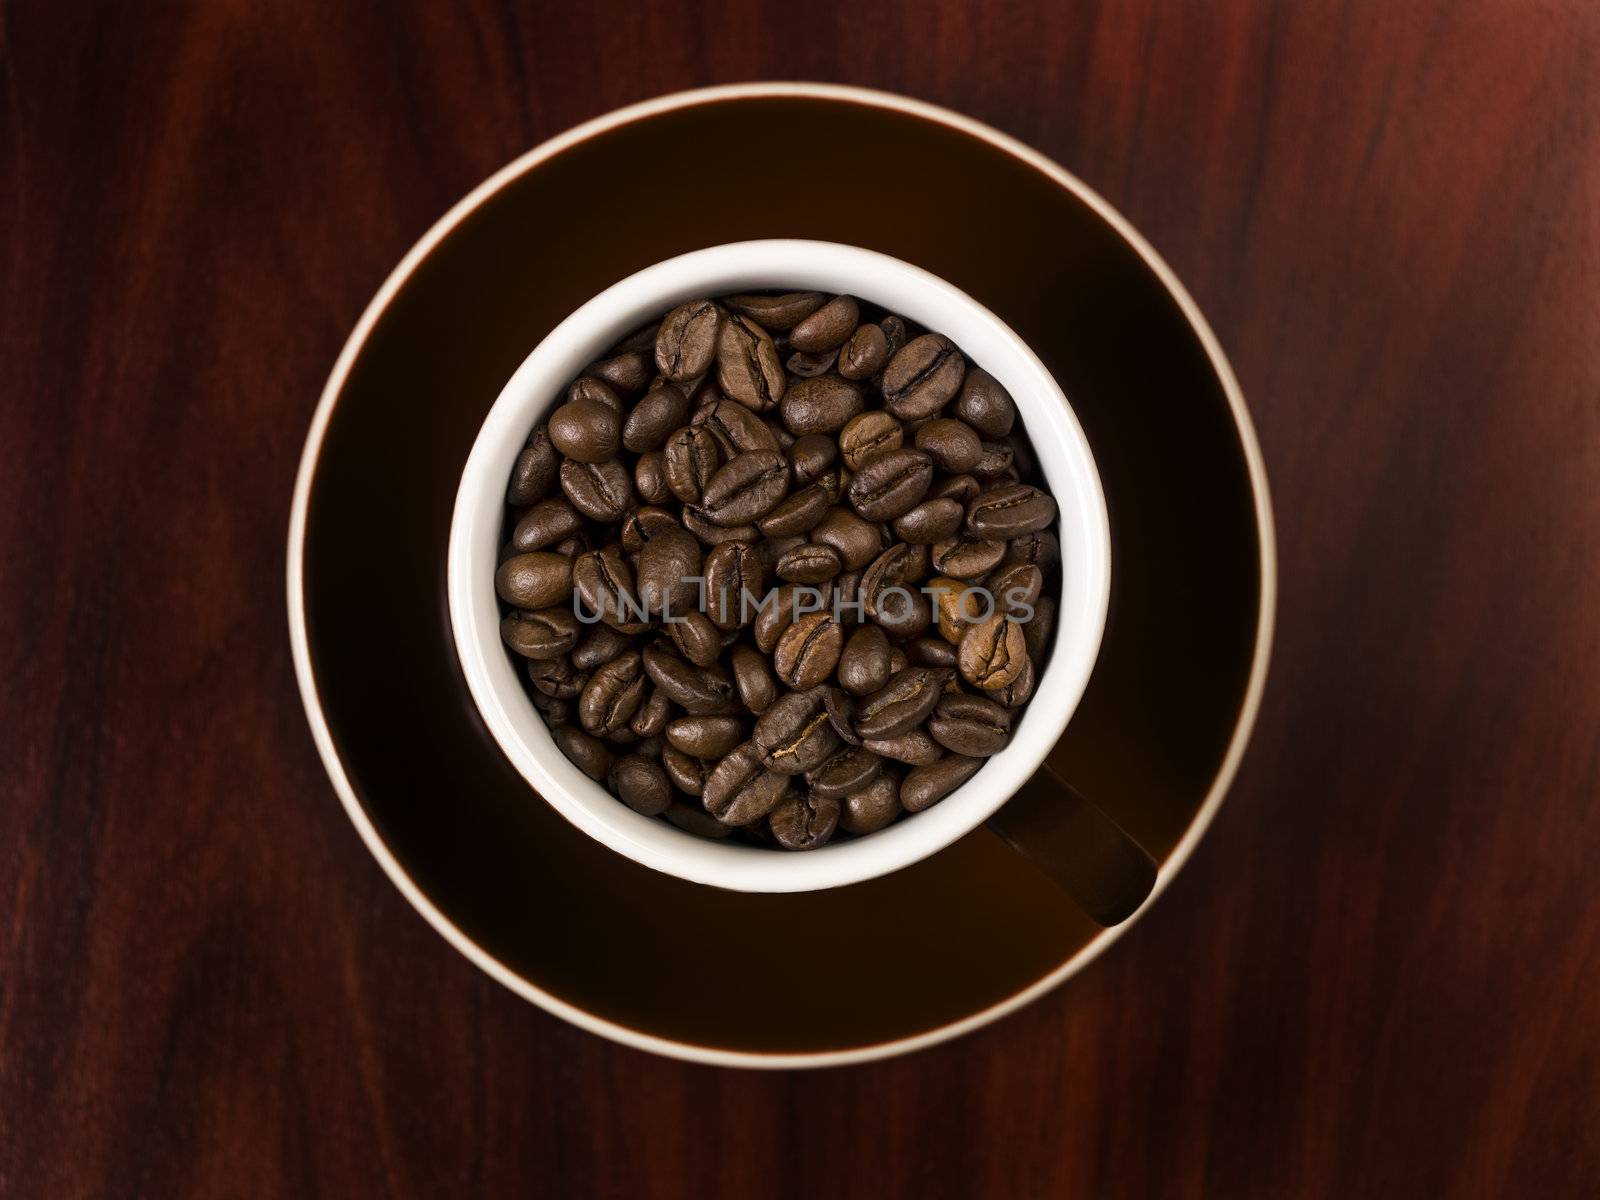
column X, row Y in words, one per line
column 1381, row 973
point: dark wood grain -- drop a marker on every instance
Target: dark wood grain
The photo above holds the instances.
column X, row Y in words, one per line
column 1379, row 976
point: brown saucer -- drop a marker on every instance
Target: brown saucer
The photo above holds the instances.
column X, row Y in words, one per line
column 783, row 980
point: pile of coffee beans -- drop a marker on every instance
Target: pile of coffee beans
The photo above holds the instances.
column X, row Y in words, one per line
column 779, row 567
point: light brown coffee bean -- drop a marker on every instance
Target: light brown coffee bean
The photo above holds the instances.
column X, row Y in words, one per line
column 828, row 328
column 993, row 652
column 808, row 651
column 687, row 340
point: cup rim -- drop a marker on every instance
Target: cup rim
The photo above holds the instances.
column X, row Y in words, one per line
column 1065, row 459
column 305, row 672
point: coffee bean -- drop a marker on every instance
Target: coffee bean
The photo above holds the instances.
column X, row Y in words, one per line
column 966, row 556
column 546, row 523
column 914, row 748
column 840, row 706
column 802, row 821
column 901, row 704
column 1036, row 633
column 747, row 488
column 958, row 605
column 663, row 409
column 931, row 652
column 864, row 662
column 752, row 676
column 776, row 613
column 1015, row 588
column 953, row 445
column 733, row 572
column 807, row 366
column 740, row 789
column 699, row 691
column 777, row 313
column 642, row 524
column 1041, row 550
column 828, row 328
column 890, row 483
column 809, row 563
column 930, row 522
column 735, row 427
column 1019, row 691
column 588, row 753
column 534, row 581
column 923, row 787
column 985, row 405
column 748, row 367
column 923, row 377
column 690, row 459
column 696, row 638
column 705, row 737
column 687, row 773
column 628, row 372
column 1010, row 510
column 548, row 633
column 825, row 404
column 869, row 434
column 709, row 533
column 811, row 456
column 613, row 694
column 533, row 477
column 697, row 821
column 600, row 491
column 556, row 713
column 798, row 514
column 668, row 574
column 808, row 651
column 687, row 340
column 898, row 570
column 586, row 430
column 652, row 716
column 996, row 463
column 864, row 353
column 970, row 725
column 650, row 478
column 960, row 488
column 794, row 735
column 641, row 784
column 992, row 652
column 870, row 808
column 599, row 644
column 848, row 771
column 605, row 586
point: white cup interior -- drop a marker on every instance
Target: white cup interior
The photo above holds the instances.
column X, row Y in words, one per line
column 493, row 676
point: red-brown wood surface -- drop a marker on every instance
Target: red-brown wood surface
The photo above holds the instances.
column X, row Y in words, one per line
column 1379, row 976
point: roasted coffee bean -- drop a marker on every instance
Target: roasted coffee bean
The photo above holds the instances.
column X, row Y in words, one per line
column 890, row 483
column 798, row 514
column 740, row 789
column 777, row 313
column 734, row 584
column 848, row 771
column 1019, row 691
column 690, row 459
column 914, row 748
column 586, row 430
column 556, row 713
column 705, row 737
column 533, row 477
column 870, row 808
column 548, row 633
column 687, row 340
column 923, row 787
column 534, row 581
column 864, row 662
column 777, row 611
column 996, row 463
column 650, row 478
column 663, row 409
column 902, row 566
column 697, row 821
column 992, row 652
column 1016, row 588
column 865, row 353
column 825, row 404
column 844, row 604
column 840, row 706
column 803, row 821
column 747, row 488
column 923, row 377
column 970, row 725
column 985, row 405
column 735, row 427
column 811, row 456
column 710, row 533
column 901, row 704
column 808, row 366
column 967, row 556
column 960, row 488
column 930, row 522
column 828, row 328
column 858, row 542
column 598, row 644
column 594, row 391
column 696, row 638
column 748, row 367
column 794, row 734
column 642, row 524
column 688, row 774
column 808, row 651
column 573, row 546
column 605, row 586
column 809, row 563
column 1036, row 633
column 613, row 694
column 600, row 491
column 652, row 716
column 1042, row 550
column 545, row 524
column 897, row 661
column 869, row 434
column 953, row 445
column 931, row 652
column 668, row 574
column 588, row 753
column 1010, row 510
column 557, row 677
column 752, row 676
column 641, row 784
column 958, row 605
column 699, row 691
column 629, row 372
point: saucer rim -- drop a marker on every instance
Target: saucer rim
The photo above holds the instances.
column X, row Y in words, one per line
column 295, row 578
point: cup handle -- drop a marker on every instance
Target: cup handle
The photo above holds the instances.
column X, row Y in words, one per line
column 1075, row 843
